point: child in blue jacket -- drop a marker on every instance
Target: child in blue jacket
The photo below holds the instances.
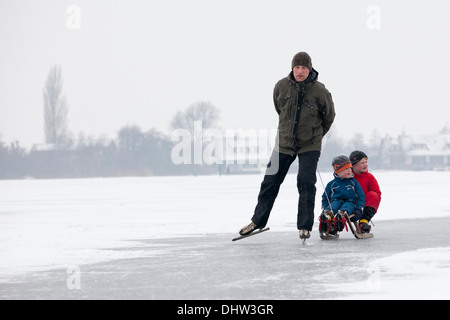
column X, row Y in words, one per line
column 343, row 194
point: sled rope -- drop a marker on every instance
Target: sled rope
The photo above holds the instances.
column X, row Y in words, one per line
column 323, row 185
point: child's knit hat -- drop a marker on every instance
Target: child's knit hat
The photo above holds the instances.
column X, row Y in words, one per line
column 341, row 163
column 356, row 156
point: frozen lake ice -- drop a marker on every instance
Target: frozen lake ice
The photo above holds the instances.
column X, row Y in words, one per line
column 123, row 224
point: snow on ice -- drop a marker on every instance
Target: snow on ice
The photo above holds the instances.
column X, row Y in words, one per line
column 48, row 224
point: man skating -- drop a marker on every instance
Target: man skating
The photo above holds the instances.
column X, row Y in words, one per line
column 306, row 112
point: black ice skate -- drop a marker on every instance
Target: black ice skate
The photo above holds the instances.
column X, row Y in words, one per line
column 245, row 231
column 250, row 230
column 304, row 234
column 354, row 227
column 327, row 226
column 340, row 221
column 364, row 226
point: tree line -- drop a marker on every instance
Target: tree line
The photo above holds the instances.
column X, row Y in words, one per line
column 133, row 152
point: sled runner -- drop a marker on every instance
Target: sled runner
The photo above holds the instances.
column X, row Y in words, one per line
column 354, row 227
column 327, row 236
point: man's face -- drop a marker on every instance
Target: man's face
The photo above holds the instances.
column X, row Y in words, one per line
column 301, row 73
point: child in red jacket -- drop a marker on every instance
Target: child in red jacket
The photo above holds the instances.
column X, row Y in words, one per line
column 370, row 187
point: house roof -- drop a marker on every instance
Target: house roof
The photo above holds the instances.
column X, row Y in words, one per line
column 426, row 145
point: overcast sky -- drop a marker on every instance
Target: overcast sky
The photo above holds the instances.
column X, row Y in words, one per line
column 137, row 62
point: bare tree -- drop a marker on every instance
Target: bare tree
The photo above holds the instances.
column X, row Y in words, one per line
column 202, row 111
column 445, row 129
column 130, row 138
column 55, row 108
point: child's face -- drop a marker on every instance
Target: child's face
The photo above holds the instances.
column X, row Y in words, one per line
column 345, row 174
column 361, row 167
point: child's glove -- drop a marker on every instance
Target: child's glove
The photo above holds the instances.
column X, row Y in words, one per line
column 357, row 214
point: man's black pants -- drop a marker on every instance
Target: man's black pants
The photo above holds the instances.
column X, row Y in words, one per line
column 306, row 184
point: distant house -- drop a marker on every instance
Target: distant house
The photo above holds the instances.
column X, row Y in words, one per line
column 247, row 151
column 416, row 152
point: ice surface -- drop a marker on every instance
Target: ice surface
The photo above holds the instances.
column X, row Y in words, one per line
column 50, row 224
column 270, row 266
column 418, row 274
